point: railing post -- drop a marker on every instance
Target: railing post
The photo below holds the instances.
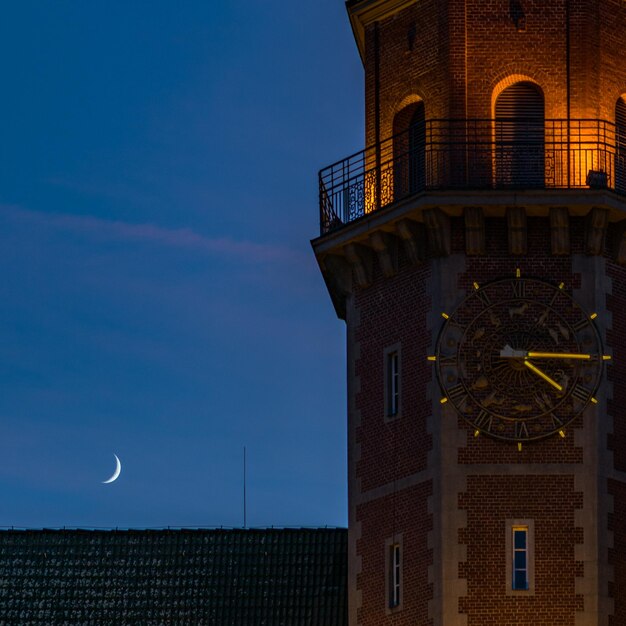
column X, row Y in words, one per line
column 345, row 196
column 377, row 110
column 378, row 177
column 321, row 201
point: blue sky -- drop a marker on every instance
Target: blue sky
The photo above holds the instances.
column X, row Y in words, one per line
column 160, row 299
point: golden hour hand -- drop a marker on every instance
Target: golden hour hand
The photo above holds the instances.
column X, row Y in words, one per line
column 542, row 374
column 558, row 355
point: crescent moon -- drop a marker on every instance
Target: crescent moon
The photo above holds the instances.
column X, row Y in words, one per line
column 116, row 473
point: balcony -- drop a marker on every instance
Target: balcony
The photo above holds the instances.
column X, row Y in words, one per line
column 473, row 154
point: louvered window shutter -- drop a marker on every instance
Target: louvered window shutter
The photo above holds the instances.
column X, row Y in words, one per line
column 520, row 151
column 620, row 145
column 409, row 151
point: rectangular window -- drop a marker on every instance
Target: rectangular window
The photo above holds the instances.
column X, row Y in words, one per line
column 520, row 558
column 394, row 589
column 395, row 572
column 393, row 383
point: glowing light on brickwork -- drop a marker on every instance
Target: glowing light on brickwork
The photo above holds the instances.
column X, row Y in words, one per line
column 593, row 316
column 562, row 433
column 589, row 160
column 445, row 316
column 371, row 203
column 432, row 358
column 443, row 400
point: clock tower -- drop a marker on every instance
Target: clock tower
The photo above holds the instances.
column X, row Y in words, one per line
column 476, row 249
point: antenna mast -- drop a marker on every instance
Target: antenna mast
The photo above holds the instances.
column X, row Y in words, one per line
column 244, row 486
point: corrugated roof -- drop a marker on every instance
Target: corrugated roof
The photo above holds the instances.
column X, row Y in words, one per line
column 202, row 577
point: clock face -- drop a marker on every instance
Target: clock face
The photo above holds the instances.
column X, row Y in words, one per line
column 519, row 359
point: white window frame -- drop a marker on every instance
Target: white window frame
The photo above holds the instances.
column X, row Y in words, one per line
column 394, row 574
column 527, row 525
column 392, row 368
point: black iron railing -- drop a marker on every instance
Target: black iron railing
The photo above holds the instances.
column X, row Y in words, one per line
column 473, row 154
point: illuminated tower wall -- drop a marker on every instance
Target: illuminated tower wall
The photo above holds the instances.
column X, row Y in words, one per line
column 496, row 139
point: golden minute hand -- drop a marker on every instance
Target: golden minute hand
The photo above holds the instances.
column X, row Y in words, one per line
column 534, row 368
column 558, row 355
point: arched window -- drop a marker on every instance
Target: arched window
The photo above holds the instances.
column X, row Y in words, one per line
column 409, row 150
column 620, row 145
column 519, row 137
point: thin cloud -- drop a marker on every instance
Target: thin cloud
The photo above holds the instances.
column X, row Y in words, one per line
column 182, row 238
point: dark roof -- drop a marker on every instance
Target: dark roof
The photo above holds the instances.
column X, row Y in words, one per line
column 295, row 577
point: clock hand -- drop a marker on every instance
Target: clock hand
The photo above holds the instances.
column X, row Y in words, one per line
column 534, row 368
column 509, row 353
column 558, row 355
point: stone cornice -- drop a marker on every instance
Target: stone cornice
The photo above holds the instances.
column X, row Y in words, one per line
column 421, row 226
column 537, row 203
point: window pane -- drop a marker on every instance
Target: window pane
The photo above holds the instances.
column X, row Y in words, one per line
column 394, row 576
column 393, row 371
column 520, row 560
column 520, row 582
column 520, row 539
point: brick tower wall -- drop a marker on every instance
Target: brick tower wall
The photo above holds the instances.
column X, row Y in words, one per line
column 407, row 72
column 611, row 62
column 390, row 455
column 617, row 442
column 422, row 476
column 459, row 525
column 464, row 53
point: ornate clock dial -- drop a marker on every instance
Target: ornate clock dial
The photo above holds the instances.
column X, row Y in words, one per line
column 519, row 359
